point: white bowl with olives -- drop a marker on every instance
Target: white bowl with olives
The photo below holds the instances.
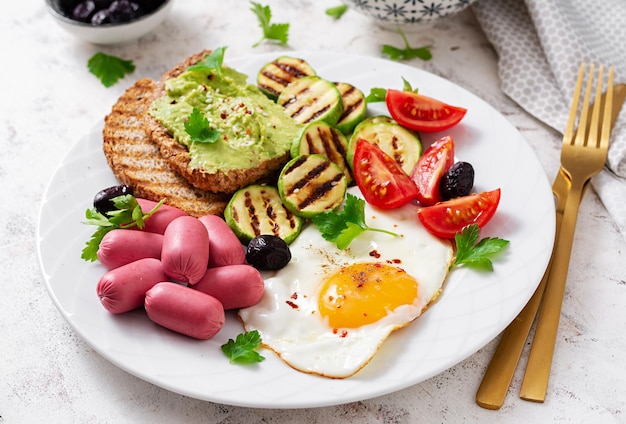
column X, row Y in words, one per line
column 109, row 21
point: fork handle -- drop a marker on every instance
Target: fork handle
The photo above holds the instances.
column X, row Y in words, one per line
column 497, row 379
column 535, row 383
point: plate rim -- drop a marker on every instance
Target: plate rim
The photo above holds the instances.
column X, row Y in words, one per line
column 301, row 403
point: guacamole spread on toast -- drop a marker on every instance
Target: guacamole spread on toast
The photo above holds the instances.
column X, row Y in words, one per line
column 252, row 128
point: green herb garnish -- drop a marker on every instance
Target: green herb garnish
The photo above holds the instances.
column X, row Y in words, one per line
column 408, row 52
column 377, row 94
column 473, row 254
column 344, row 226
column 212, row 61
column 199, row 128
column 337, row 11
column 127, row 214
column 109, row 69
column 242, row 349
column 275, row 32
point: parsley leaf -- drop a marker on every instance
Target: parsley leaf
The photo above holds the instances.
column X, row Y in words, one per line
column 199, row 128
column 408, row 52
column 337, row 11
column 344, row 226
column 109, row 69
column 127, row 214
column 275, row 32
column 377, row 94
column 473, row 254
column 241, row 350
column 212, row 61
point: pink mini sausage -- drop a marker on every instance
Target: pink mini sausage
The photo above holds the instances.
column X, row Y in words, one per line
column 185, row 252
column 236, row 286
column 185, row 310
column 224, row 246
column 123, row 289
column 158, row 222
column 120, row 247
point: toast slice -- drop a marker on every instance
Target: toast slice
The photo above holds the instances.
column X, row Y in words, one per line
column 219, row 181
column 137, row 162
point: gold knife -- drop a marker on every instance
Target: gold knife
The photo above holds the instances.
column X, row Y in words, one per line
column 499, row 374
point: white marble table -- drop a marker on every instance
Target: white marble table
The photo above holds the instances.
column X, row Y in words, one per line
column 49, row 374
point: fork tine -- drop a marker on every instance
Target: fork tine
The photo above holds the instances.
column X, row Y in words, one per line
column 594, row 136
column 608, row 105
column 571, row 121
column 581, row 134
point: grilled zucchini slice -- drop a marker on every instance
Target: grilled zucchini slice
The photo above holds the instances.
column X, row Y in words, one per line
column 323, row 139
column 373, row 119
column 398, row 142
column 311, row 184
column 310, row 99
column 279, row 73
column 354, row 107
column 258, row 209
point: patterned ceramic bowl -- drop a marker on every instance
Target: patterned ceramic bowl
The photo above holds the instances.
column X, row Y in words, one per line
column 408, row 12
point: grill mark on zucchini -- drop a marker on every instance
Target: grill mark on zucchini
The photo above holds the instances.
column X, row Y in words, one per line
column 310, row 176
column 317, row 114
column 276, row 75
column 351, row 101
column 320, row 191
column 397, row 154
column 252, row 216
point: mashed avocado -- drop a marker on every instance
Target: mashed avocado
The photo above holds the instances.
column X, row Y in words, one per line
column 252, row 127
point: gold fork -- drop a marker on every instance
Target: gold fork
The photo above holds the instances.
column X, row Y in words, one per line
column 582, row 157
column 499, row 374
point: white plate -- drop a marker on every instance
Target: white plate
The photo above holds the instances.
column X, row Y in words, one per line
column 473, row 309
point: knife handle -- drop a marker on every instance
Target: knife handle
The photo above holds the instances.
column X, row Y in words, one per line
column 535, row 383
column 497, row 379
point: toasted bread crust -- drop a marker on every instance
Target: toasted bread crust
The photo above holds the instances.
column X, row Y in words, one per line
column 136, row 161
column 221, row 181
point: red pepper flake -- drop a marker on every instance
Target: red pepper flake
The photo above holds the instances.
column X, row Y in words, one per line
column 374, row 254
column 294, row 296
column 344, row 333
column 293, row 305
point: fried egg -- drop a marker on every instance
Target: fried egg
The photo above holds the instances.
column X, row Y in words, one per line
column 329, row 310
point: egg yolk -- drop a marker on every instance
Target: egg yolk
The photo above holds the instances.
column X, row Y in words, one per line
column 363, row 293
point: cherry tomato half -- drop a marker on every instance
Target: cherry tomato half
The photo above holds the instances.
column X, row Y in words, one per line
column 447, row 218
column 429, row 169
column 380, row 178
column 421, row 113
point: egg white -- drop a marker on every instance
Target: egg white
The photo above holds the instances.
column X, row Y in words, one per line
column 288, row 319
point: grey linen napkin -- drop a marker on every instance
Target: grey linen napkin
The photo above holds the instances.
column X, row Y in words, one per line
column 540, row 46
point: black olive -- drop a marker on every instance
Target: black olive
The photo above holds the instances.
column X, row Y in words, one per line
column 102, row 200
column 124, row 11
column 457, row 181
column 267, row 252
column 101, row 17
column 84, row 11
